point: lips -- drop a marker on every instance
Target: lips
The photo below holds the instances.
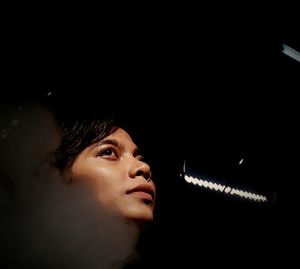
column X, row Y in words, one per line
column 144, row 191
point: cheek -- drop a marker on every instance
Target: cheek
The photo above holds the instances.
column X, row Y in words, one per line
column 93, row 170
column 109, row 187
column 107, row 180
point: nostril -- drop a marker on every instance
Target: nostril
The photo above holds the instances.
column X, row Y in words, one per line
column 140, row 173
column 146, row 175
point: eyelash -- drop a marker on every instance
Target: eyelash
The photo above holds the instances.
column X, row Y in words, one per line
column 104, row 151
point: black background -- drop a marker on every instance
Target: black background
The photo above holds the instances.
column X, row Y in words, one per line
column 209, row 90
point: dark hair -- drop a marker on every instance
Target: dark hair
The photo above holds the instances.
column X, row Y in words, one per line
column 84, row 121
column 79, row 134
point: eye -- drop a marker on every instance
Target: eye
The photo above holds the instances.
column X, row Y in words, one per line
column 108, row 153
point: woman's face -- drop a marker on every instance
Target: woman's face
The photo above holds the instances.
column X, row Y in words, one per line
column 123, row 180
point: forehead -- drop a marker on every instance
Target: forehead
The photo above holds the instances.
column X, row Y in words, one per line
column 122, row 137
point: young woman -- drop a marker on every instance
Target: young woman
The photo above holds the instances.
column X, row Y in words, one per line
column 104, row 154
column 80, row 191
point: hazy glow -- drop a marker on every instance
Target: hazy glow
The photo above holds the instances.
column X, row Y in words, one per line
column 228, row 190
column 46, row 222
column 291, row 52
column 241, row 161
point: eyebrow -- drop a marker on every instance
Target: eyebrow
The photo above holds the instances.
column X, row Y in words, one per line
column 108, row 141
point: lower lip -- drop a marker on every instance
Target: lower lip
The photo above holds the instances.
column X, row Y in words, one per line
column 143, row 195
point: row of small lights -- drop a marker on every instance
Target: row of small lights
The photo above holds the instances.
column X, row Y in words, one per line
column 228, row 190
column 232, row 191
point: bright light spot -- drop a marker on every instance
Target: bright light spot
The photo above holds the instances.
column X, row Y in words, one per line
column 219, row 187
column 194, row 181
column 205, row 183
column 241, row 161
column 228, row 190
column 49, row 93
column 209, row 185
column 187, row 179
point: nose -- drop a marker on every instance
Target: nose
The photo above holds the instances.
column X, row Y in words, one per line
column 140, row 169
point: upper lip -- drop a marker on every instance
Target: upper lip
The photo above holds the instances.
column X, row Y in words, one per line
column 143, row 188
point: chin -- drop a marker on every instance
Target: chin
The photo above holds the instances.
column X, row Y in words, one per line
column 141, row 216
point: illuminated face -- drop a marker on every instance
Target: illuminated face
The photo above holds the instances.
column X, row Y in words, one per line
column 122, row 179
